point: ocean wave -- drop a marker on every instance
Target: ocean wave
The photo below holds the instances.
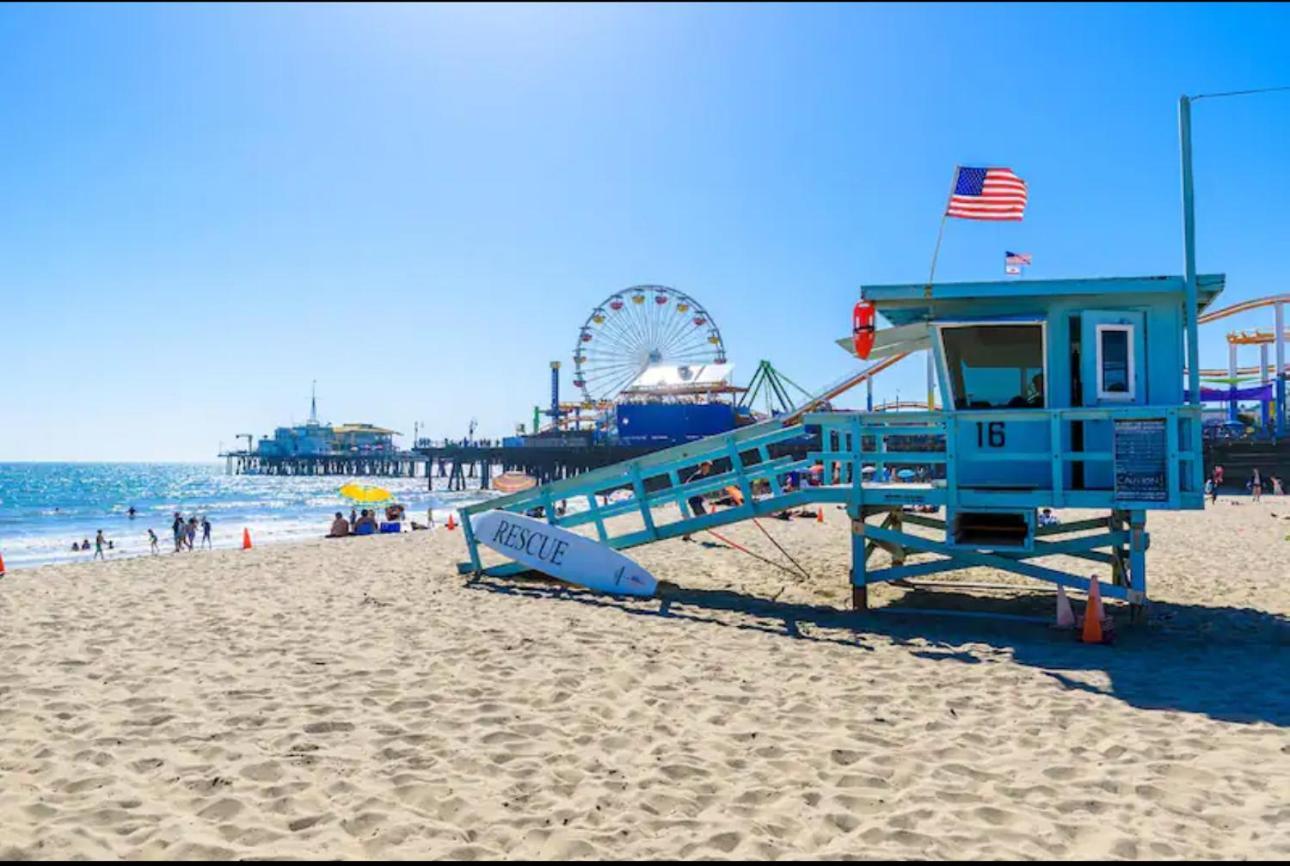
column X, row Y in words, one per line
column 48, row 506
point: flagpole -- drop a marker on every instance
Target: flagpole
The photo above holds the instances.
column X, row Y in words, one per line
column 931, row 277
column 941, row 233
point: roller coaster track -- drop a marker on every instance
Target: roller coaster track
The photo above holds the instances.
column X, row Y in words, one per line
column 1242, row 307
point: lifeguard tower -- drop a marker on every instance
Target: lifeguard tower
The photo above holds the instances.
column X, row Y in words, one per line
column 1058, row 394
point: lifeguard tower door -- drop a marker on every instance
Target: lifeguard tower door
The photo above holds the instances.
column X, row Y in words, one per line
column 1113, row 373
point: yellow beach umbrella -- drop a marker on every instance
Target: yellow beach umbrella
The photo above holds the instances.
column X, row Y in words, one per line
column 364, row 493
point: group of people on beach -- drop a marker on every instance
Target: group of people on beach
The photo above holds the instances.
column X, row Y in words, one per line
column 358, row 524
column 101, row 545
column 1254, row 485
column 185, row 533
column 366, row 523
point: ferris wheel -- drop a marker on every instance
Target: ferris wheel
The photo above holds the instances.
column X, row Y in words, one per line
column 638, row 328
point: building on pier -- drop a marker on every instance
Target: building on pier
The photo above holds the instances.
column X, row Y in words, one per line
column 315, row 448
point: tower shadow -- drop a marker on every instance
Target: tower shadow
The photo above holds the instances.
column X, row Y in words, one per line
column 1226, row 663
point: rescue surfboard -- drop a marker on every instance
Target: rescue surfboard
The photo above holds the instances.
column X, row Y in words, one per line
column 562, row 554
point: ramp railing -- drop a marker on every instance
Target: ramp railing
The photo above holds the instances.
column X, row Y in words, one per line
column 741, row 459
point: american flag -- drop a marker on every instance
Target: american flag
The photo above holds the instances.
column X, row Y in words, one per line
column 987, row 194
column 1016, row 258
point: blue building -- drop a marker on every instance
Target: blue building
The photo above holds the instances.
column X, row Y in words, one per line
column 672, row 404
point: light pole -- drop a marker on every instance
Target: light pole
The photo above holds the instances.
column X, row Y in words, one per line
column 1189, row 250
column 1189, row 255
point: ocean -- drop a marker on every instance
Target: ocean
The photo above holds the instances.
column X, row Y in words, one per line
column 44, row 507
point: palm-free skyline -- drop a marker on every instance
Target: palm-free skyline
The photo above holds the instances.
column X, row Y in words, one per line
column 206, row 208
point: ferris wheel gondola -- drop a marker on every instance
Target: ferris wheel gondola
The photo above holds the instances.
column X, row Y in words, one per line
column 639, row 328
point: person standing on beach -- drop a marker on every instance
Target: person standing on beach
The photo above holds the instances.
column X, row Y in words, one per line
column 1256, row 486
column 98, row 546
column 696, row 502
column 152, row 542
column 177, row 527
column 190, row 532
column 206, row 532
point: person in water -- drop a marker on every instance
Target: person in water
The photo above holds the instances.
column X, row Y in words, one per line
column 152, row 541
column 85, row 544
column 177, row 527
column 131, row 512
column 98, row 546
column 206, row 532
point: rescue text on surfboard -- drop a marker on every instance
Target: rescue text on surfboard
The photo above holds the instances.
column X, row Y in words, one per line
column 520, row 538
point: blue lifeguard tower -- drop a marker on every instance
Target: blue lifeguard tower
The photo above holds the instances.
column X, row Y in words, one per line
column 1057, row 393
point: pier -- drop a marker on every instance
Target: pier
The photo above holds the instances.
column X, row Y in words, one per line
column 395, row 464
column 454, row 463
column 457, row 462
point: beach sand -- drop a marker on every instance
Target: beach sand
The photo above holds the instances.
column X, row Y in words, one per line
column 358, row 698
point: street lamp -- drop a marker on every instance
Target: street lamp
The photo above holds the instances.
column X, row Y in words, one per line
column 1189, row 255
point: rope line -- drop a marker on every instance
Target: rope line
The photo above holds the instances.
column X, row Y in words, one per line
column 750, row 553
column 789, row 556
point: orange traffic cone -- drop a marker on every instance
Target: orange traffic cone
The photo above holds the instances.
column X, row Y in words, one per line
column 452, row 522
column 819, row 515
column 246, row 539
column 1065, row 616
column 1093, row 614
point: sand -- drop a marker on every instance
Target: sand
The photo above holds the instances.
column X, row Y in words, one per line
column 359, row 699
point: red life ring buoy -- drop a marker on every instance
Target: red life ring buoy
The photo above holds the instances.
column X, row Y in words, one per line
column 863, row 320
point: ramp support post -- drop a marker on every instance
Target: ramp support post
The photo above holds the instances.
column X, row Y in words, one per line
column 859, row 584
column 1138, row 542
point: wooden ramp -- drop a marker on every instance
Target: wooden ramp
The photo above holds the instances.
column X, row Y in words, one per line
column 747, row 460
column 758, row 461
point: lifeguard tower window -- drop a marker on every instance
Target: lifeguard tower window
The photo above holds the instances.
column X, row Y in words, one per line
column 1115, row 362
column 995, row 366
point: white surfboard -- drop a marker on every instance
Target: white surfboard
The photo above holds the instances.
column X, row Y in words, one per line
column 562, row 554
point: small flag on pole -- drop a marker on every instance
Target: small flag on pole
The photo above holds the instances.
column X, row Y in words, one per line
column 987, row 194
column 1014, row 262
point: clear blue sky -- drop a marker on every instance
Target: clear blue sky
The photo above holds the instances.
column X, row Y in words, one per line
column 204, row 208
